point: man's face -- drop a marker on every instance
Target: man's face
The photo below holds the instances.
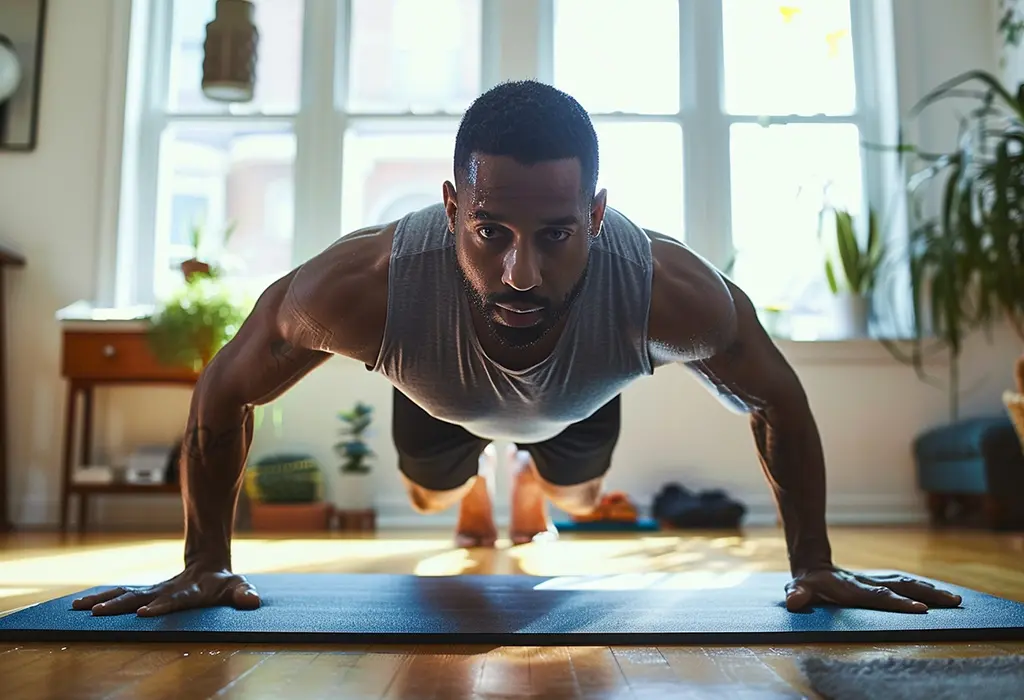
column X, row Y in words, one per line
column 522, row 242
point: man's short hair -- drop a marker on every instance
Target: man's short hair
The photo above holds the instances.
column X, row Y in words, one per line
column 530, row 122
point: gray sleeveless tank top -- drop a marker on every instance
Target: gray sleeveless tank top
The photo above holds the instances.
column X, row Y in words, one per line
column 431, row 352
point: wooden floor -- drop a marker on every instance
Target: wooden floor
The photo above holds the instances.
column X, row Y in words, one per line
column 36, row 567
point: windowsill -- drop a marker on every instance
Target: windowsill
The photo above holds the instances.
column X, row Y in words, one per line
column 847, row 351
column 84, row 315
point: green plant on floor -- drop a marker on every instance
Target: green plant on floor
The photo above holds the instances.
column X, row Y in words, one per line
column 194, row 323
column 858, row 265
column 966, row 259
column 353, row 448
column 285, row 478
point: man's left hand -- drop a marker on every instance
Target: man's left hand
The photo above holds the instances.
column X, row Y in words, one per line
column 891, row 592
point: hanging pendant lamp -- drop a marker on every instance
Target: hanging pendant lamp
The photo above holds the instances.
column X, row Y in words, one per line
column 229, row 63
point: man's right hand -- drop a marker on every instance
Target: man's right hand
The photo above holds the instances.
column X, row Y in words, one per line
column 189, row 589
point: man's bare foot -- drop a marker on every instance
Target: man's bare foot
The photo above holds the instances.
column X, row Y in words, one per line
column 476, row 518
column 529, row 522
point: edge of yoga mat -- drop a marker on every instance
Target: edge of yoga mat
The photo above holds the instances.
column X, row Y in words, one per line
column 627, row 614
column 641, row 525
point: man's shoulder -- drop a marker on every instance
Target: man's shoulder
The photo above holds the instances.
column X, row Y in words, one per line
column 341, row 293
column 693, row 313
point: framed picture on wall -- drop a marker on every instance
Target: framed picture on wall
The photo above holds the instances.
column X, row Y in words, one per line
column 22, row 28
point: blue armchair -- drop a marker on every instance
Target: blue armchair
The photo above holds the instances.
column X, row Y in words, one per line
column 973, row 468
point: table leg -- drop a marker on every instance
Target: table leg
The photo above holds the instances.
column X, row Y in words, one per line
column 70, row 417
column 87, row 404
column 83, row 511
column 5, row 522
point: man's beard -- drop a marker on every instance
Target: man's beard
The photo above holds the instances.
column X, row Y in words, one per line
column 521, row 337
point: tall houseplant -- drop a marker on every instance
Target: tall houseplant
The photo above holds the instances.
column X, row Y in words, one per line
column 966, row 260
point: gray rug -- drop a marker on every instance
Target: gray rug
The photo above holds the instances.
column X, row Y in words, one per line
column 981, row 678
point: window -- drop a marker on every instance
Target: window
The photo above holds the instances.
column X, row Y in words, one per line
column 727, row 123
column 724, row 123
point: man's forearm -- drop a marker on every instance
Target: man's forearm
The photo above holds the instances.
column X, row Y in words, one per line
column 790, row 451
column 213, row 455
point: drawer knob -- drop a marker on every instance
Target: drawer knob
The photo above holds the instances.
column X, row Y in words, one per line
column 109, row 351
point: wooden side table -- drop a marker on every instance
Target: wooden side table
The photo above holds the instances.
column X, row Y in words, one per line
column 103, row 348
column 7, row 259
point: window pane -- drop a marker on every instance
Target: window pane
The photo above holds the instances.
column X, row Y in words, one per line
column 414, row 56
column 392, row 170
column 793, row 57
column 278, row 69
column 647, row 189
column 614, row 58
column 781, row 177
column 218, row 176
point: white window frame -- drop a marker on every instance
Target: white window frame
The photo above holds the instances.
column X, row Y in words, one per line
column 517, row 42
column 705, row 124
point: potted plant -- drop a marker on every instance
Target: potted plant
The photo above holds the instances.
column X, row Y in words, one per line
column 966, row 260
column 198, row 265
column 353, row 495
column 194, row 323
column 852, row 279
column 285, row 494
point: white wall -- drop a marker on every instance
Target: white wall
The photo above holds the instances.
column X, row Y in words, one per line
column 868, row 407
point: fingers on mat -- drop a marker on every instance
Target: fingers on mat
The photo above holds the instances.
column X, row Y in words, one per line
column 129, row 602
column 86, row 602
column 883, row 598
column 179, row 600
column 927, row 594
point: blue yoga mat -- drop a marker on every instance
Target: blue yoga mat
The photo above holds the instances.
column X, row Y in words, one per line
column 646, row 609
column 640, row 525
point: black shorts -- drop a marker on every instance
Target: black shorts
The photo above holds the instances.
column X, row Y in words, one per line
column 441, row 456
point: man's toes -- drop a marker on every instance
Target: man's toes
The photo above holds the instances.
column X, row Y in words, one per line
column 469, row 541
column 550, row 534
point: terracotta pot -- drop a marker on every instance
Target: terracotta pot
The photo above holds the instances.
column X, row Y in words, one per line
column 192, row 267
column 1019, row 374
column 289, row 517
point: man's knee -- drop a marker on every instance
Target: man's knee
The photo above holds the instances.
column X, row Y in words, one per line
column 427, row 502
column 578, row 499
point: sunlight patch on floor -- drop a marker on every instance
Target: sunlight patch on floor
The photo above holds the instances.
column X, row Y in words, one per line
column 688, row 580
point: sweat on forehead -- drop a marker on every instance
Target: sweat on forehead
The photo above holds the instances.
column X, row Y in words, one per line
column 501, row 183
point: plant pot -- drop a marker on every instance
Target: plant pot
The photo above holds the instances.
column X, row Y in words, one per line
column 289, row 517
column 352, row 491
column 1018, row 372
column 353, row 499
column 192, row 267
column 852, row 313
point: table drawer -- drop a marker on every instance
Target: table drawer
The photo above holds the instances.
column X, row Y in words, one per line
column 116, row 356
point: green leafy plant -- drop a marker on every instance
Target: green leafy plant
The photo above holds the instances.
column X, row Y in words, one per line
column 859, row 265
column 966, row 260
column 1011, row 23
column 353, row 449
column 194, row 323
